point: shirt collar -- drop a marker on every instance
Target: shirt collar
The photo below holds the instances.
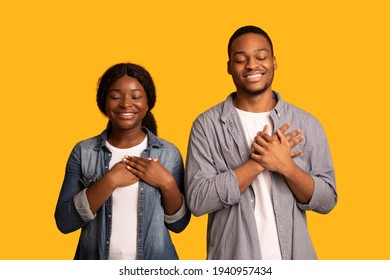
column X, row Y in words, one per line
column 229, row 107
column 153, row 140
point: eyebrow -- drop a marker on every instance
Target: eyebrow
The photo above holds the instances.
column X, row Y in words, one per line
column 117, row 89
column 256, row 51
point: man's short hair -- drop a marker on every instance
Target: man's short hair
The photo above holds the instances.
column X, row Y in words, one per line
column 249, row 29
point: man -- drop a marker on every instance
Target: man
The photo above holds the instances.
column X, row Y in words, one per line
column 254, row 188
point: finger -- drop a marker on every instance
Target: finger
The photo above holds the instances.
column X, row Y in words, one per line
column 296, row 141
column 295, row 153
column 266, row 137
column 140, row 161
column 281, row 136
column 128, row 160
column 259, row 140
column 265, row 129
column 258, row 149
column 284, row 127
column 137, row 164
column 256, row 157
column 136, row 172
column 293, row 134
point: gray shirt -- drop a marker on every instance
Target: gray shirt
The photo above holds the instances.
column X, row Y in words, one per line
column 217, row 145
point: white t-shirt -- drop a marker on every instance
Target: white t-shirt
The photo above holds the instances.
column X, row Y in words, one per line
column 123, row 244
column 262, row 186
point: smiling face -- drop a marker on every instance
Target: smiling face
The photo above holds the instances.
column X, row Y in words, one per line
column 126, row 104
column 251, row 64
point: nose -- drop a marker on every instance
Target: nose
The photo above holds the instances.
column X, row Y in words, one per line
column 126, row 102
column 252, row 63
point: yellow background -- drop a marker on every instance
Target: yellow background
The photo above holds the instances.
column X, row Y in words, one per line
column 333, row 62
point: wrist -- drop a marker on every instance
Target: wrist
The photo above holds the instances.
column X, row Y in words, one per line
column 289, row 170
column 111, row 181
column 167, row 184
column 256, row 166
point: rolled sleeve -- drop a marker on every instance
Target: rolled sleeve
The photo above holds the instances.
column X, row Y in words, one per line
column 324, row 197
column 170, row 219
column 211, row 184
column 82, row 206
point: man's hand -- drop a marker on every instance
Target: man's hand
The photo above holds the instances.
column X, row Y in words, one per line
column 274, row 153
column 294, row 137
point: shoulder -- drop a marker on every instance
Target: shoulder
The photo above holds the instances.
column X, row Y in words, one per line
column 167, row 153
column 211, row 115
column 212, row 111
column 85, row 149
column 310, row 126
column 166, row 144
column 300, row 115
column 158, row 143
column 92, row 143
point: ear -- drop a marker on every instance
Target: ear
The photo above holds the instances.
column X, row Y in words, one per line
column 229, row 68
column 275, row 63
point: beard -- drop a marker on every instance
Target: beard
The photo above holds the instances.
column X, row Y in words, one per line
column 253, row 92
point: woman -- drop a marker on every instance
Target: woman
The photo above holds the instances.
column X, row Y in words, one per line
column 124, row 187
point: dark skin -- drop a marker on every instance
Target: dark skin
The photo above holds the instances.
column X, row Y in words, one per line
column 126, row 106
column 249, row 170
column 152, row 172
column 252, row 65
column 274, row 154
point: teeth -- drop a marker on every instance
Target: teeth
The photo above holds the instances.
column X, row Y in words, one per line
column 126, row 114
column 254, row 76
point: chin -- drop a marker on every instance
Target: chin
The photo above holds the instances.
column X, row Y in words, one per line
column 253, row 92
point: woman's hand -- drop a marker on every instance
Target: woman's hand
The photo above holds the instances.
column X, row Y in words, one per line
column 150, row 171
column 156, row 175
column 120, row 176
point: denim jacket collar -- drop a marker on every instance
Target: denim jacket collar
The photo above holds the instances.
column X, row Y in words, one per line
column 153, row 141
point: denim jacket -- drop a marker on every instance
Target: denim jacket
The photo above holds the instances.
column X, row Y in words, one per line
column 88, row 162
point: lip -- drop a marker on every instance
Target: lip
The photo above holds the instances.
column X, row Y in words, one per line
column 253, row 76
column 126, row 115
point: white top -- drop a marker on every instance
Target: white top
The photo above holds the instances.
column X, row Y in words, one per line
column 123, row 245
column 262, row 186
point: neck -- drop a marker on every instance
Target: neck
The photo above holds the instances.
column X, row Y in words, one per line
column 260, row 103
column 126, row 139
